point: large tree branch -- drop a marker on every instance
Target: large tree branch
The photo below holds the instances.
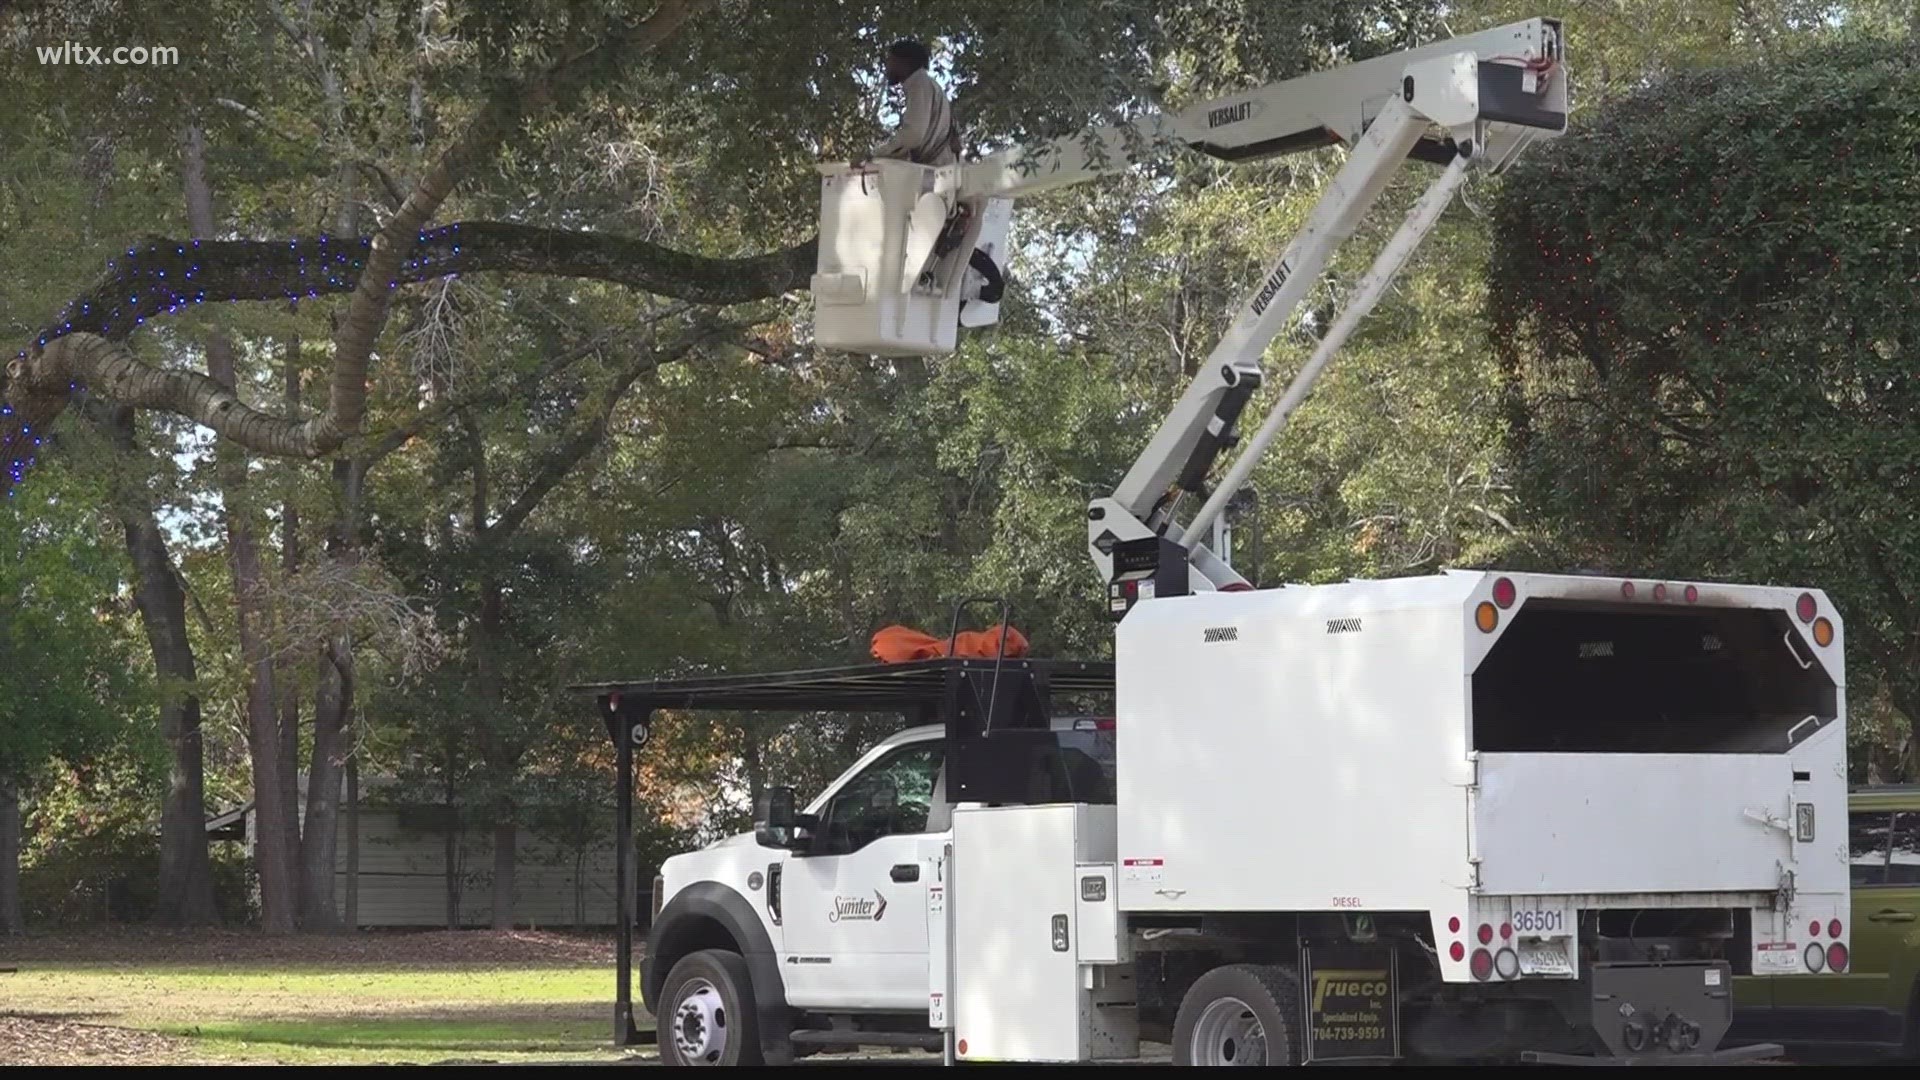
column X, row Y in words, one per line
column 38, row 387
column 162, row 277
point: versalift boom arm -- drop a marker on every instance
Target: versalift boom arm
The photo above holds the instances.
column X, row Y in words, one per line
column 1471, row 101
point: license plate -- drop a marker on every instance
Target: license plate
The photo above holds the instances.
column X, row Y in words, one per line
column 1545, row 958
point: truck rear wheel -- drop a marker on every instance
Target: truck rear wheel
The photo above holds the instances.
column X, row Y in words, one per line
column 709, row 1017
column 1242, row 1014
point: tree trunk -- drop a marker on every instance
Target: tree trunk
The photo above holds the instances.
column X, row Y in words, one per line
column 453, row 875
column 12, row 921
column 333, row 710
column 1906, row 702
column 353, row 841
column 492, row 604
column 751, row 761
column 579, row 887
column 319, row 844
column 333, row 686
column 503, row 863
column 285, row 674
column 279, row 837
column 452, row 858
column 186, row 871
column 333, row 705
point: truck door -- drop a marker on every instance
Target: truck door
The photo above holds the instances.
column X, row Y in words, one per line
column 854, row 907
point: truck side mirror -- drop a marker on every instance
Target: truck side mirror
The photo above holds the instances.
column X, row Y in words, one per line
column 773, row 818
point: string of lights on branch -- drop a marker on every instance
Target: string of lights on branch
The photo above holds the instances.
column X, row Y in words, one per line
column 164, row 277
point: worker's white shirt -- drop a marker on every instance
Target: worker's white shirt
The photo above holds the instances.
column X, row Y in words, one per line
column 922, row 134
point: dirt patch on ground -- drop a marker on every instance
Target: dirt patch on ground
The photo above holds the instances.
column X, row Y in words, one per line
column 27, row 1041
column 365, row 947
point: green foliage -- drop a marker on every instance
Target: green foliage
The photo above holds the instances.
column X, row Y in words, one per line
column 90, row 854
column 64, row 645
column 1702, row 301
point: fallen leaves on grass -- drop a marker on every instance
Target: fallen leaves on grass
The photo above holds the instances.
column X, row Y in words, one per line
column 25, row 1041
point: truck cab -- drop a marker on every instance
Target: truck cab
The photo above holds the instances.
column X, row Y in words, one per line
column 832, row 916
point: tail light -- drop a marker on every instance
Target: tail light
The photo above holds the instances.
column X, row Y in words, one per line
column 1660, row 591
column 1486, row 934
column 1453, row 926
column 1822, row 632
column 1693, row 594
column 1486, row 617
column 1816, row 958
column 1457, row 951
column 1806, row 608
column 1626, row 590
column 1813, row 928
column 1504, row 592
column 1837, row 957
column 1482, row 965
column 1834, row 928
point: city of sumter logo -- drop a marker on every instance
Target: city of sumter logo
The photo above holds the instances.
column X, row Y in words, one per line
column 858, row 908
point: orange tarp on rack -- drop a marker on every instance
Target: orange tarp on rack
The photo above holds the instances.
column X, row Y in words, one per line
column 900, row 644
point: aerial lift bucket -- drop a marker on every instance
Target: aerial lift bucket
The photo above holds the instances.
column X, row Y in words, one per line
column 904, row 260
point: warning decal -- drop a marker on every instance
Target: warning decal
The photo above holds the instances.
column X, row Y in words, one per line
column 1141, row 871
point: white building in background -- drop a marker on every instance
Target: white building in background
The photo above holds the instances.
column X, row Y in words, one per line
column 416, row 861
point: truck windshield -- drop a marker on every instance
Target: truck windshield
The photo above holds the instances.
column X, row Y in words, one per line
column 1571, row 678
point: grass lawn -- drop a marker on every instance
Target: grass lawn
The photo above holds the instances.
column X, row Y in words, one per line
column 296, row 1013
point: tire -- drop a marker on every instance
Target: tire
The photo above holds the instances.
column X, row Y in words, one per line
column 709, row 1017
column 1241, row 1014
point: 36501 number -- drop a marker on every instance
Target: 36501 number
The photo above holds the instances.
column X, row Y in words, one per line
column 1539, row 921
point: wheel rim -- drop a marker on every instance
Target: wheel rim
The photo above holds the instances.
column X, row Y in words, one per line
column 700, row 1024
column 1229, row 1034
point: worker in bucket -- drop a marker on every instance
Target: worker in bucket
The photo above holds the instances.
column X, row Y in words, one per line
column 926, row 135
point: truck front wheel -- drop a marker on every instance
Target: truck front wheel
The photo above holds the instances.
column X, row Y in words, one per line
column 709, row 1019
column 1242, row 1014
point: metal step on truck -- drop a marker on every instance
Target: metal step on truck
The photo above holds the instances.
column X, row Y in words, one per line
column 1470, row 818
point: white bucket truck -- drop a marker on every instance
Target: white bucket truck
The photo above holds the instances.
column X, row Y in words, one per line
column 1470, row 817
column 1465, row 817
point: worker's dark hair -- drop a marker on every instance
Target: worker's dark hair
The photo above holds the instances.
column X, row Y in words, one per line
column 908, row 49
